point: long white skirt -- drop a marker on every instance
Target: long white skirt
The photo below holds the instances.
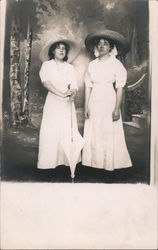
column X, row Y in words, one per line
column 105, row 145
column 55, row 125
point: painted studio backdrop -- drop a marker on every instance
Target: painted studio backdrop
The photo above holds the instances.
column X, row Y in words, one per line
column 29, row 26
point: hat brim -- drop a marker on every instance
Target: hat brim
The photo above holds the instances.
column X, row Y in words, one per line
column 72, row 54
column 119, row 40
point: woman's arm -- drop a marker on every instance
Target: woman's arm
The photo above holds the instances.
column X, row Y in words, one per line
column 45, row 74
column 87, row 97
column 88, row 89
column 55, row 91
column 116, row 112
column 121, row 78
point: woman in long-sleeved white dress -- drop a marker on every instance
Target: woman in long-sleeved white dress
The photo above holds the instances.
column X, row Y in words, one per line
column 59, row 78
column 105, row 145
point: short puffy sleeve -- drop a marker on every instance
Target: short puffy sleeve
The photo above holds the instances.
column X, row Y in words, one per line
column 120, row 74
column 45, row 72
column 73, row 79
column 88, row 81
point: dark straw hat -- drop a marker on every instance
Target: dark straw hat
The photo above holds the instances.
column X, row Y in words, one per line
column 119, row 40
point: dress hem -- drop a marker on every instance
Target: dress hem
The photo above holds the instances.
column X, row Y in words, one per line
column 51, row 167
column 121, row 167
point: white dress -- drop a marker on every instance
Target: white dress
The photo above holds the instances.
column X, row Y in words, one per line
column 57, row 114
column 105, row 145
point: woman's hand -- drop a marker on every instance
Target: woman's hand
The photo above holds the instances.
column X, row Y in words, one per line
column 73, row 95
column 116, row 115
column 87, row 113
column 68, row 93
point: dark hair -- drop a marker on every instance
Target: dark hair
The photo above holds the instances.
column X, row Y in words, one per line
column 111, row 42
column 54, row 46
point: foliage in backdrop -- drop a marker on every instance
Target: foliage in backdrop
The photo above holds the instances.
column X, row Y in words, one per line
column 48, row 19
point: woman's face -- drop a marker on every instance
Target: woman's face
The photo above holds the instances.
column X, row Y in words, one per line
column 103, row 47
column 60, row 51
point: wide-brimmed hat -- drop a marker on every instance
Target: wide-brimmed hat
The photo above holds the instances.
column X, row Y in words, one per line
column 119, row 40
column 72, row 45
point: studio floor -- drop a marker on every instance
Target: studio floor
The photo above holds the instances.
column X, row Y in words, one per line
column 19, row 161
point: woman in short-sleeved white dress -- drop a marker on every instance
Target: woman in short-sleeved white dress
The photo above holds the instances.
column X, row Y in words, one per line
column 105, row 145
column 57, row 114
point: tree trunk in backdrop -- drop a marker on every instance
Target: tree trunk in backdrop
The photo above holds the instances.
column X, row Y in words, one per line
column 26, row 74
column 132, row 58
column 15, row 86
column 134, row 47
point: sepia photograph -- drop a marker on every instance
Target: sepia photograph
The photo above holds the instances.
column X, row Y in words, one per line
column 82, row 115
column 78, row 112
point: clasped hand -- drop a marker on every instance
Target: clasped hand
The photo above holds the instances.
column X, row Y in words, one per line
column 71, row 93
